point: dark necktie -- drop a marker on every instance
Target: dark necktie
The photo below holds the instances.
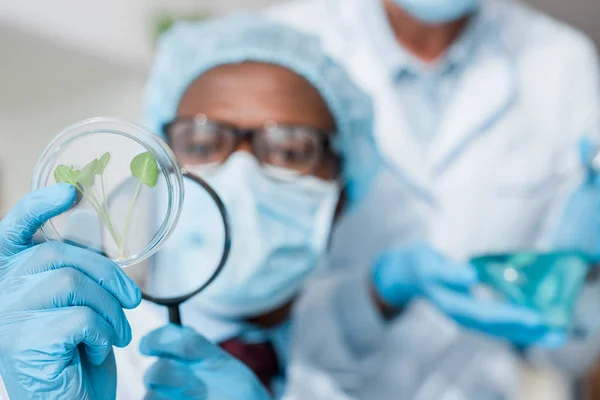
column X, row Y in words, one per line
column 259, row 357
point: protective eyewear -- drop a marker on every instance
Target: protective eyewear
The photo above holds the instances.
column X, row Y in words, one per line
column 297, row 150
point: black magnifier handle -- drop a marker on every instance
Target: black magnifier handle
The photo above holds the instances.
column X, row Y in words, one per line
column 174, row 315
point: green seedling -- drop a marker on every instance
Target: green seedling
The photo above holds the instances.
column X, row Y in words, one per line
column 143, row 167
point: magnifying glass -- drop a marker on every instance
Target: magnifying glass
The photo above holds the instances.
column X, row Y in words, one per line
column 166, row 228
column 194, row 254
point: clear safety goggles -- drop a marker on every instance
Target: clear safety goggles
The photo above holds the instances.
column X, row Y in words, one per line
column 289, row 150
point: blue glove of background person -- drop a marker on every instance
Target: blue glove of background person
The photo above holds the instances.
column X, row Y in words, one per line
column 579, row 227
column 418, row 271
column 191, row 367
column 60, row 308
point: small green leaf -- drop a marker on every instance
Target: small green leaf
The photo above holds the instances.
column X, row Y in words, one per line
column 88, row 173
column 63, row 173
column 145, row 169
column 102, row 163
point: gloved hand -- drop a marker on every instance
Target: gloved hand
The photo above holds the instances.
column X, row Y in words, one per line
column 418, row 271
column 579, row 227
column 190, row 367
column 60, row 308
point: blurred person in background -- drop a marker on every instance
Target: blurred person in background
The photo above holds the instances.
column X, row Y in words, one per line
column 479, row 109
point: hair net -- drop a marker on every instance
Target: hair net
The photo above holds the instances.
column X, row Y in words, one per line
column 189, row 49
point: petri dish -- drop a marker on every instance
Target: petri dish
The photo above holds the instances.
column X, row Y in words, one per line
column 129, row 185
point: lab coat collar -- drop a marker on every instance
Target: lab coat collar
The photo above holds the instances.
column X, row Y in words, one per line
column 486, row 89
column 399, row 150
column 463, row 49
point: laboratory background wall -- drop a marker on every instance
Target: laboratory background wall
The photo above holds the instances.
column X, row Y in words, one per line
column 65, row 60
column 62, row 61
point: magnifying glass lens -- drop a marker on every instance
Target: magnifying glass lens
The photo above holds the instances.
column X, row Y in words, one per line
column 194, row 253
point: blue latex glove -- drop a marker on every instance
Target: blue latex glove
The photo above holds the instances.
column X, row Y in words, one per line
column 60, row 308
column 190, row 367
column 418, row 271
column 579, row 228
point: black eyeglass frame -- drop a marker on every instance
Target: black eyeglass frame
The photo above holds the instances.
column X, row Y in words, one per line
column 242, row 134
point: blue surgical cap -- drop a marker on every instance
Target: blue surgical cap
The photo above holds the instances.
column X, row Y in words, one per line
column 189, row 49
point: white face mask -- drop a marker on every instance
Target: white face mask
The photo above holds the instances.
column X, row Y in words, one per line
column 280, row 230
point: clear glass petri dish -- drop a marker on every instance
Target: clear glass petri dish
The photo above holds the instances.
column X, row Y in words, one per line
column 129, row 188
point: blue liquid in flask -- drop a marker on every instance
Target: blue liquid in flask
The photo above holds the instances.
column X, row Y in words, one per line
column 549, row 283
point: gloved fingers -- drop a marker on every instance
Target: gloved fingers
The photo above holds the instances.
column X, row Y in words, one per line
column 68, row 287
column 165, row 393
column 157, row 395
column 515, row 323
column 55, row 255
column 247, row 385
column 21, row 223
column 199, row 392
column 587, row 153
column 102, row 378
column 596, row 178
column 490, row 311
column 181, row 347
column 168, row 374
column 553, row 340
column 55, row 334
column 400, row 274
column 173, row 341
column 434, row 267
column 460, row 277
column 94, row 332
column 84, row 227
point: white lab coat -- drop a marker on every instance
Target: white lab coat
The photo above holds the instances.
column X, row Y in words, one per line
column 131, row 364
column 495, row 178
